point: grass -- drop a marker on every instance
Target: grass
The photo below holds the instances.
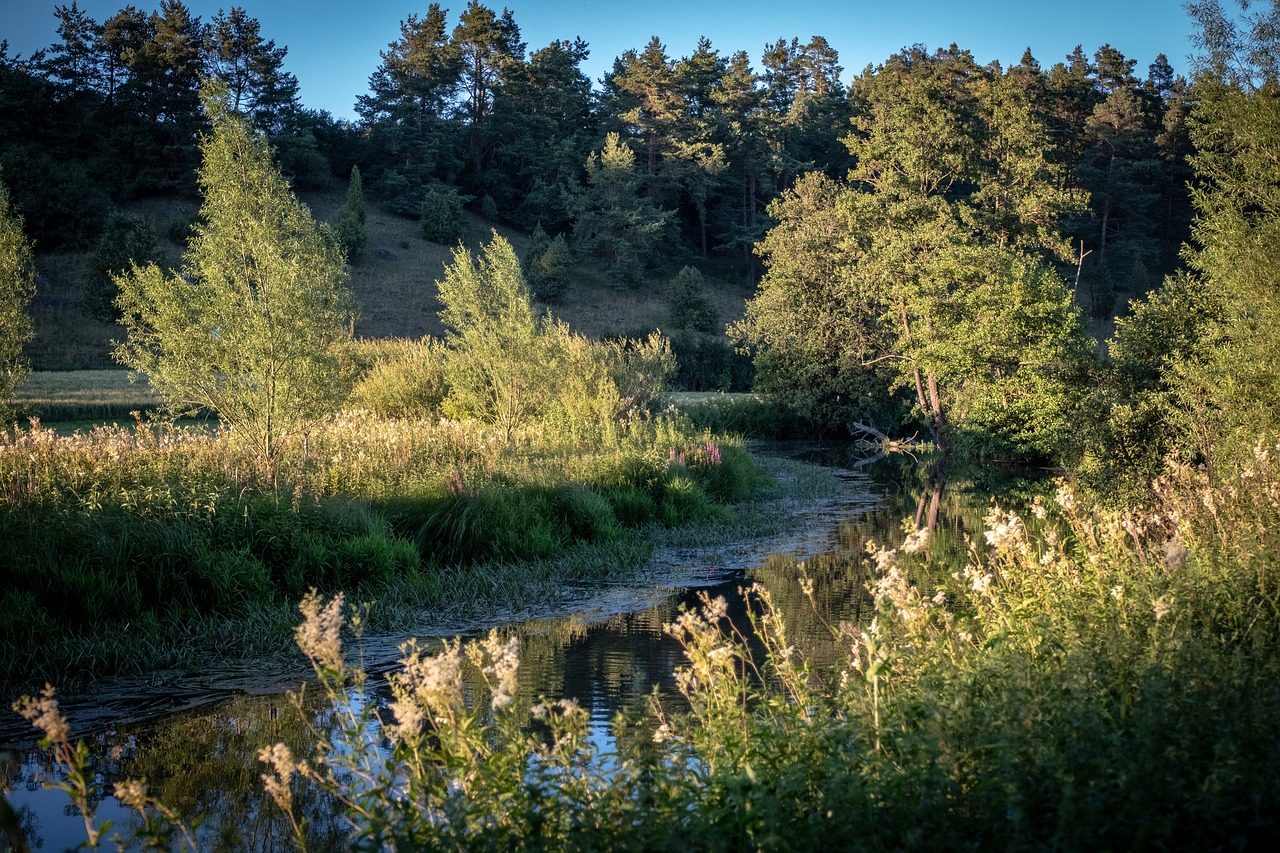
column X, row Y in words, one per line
column 121, row 542
column 83, row 396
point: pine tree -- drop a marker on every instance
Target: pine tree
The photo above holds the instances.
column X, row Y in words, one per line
column 613, row 218
column 353, row 233
column 127, row 241
column 252, row 326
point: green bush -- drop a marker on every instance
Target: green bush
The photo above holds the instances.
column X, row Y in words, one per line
column 440, row 216
column 687, row 299
column 400, row 378
column 127, row 239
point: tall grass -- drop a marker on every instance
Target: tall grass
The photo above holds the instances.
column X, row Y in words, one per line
column 155, row 527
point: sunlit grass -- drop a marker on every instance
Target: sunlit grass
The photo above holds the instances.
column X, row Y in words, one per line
column 129, row 545
column 83, row 395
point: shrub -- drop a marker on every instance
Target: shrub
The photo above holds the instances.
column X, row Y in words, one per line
column 440, row 215
column 127, row 240
column 690, row 308
column 549, row 270
column 400, row 378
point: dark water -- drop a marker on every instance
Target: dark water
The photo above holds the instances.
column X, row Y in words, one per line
column 195, row 742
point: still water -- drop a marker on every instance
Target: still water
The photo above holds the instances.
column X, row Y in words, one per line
column 196, row 743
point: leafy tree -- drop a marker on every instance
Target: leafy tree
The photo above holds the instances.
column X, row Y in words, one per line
column 127, row 241
column 252, row 326
column 613, row 219
column 17, row 286
column 925, row 274
column 497, row 369
column 1230, row 391
column 352, row 232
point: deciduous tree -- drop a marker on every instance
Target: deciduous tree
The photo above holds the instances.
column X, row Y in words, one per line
column 252, row 326
column 17, row 286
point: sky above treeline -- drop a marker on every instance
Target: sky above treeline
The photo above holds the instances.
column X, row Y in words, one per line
column 334, row 44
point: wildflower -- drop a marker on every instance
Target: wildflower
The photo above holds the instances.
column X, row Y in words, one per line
column 43, row 713
column 662, row 734
column 1117, row 592
column 503, row 662
column 1005, row 531
column 1175, row 554
column 916, row 541
column 1161, row 607
column 1066, row 498
column 320, row 634
column 1039, row 510
column 132, row 794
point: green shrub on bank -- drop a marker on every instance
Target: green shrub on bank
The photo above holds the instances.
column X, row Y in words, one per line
column 399, row 378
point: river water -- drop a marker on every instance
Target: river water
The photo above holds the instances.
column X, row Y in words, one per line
column 195, row 741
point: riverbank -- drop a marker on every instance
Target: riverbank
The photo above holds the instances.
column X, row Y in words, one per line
column 156, row 550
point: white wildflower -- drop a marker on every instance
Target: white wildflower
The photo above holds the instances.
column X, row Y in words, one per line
column 915, row 542
column 132, row 794
column 1162, row 607
column 320, row 634
column 42, row 712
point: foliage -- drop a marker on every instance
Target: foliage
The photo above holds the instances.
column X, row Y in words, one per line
column 440, row 216
column 1128, row 649
column 547, row 264
column 172, row 530
column 509, row 368
column 690, row 308
column 612, row 218
column 1230, row 390
column 251, row 328
column 352, row 232
column 17, row 286
column 497, row 367
column 400, row 378
column 929, row 271
column 127, row 240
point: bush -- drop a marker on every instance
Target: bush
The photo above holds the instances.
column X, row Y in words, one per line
column 690, row 308
column 127, row 239
column 440, row 215
column 548, row 270
column 400, row 378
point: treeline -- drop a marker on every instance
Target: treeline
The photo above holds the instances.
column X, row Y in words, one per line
column 679, row 153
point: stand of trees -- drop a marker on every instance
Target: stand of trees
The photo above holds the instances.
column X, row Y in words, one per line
column 462, row 104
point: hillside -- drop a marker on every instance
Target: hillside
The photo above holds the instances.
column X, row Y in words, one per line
column 394, row 284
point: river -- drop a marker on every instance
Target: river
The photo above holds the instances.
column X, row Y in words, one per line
column 195, row 741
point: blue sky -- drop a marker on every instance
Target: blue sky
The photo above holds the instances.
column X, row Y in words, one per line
column 333, row 45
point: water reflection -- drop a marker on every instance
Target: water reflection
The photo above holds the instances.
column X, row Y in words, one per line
column 610, row 658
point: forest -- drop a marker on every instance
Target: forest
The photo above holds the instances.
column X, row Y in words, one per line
column 1072, row 268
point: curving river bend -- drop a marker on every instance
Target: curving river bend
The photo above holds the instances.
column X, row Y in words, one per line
column 195, row 741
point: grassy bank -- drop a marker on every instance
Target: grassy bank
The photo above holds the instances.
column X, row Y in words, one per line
column 124, row 545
